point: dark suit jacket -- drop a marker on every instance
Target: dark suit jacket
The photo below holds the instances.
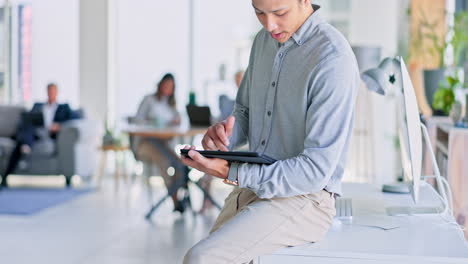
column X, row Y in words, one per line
column 62, row 114
column 26, row 131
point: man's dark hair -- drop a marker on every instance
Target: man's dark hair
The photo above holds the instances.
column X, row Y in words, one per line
column 50, row 85
column 167, row 77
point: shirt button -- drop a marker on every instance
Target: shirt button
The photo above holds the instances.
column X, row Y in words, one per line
column 269, row 113
column 281, row 54
column 263, row 142
column 273, row 84
column 299, row 41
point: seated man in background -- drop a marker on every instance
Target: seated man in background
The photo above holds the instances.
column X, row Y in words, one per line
column 28, row 133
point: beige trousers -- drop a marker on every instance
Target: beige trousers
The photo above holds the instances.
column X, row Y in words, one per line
column 248, row 226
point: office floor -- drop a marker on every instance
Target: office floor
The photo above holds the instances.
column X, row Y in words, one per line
column 106, row 226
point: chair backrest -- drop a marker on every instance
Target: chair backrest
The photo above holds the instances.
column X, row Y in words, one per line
column 10, row 117
column 132, row 140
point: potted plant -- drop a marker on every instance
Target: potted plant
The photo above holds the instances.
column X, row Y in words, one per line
column 444, row 97
column 459, row 42
column 429, row 44
column 435, row 47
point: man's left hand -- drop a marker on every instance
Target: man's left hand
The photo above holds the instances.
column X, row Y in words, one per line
column 212, row 166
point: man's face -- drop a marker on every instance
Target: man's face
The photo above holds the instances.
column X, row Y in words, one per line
column 52, row 94
column 281, row 17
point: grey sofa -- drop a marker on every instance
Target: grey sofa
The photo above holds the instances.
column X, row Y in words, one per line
column 73, row 153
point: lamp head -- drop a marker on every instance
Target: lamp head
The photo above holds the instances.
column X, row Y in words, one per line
column 381, row 78
column 375, row 80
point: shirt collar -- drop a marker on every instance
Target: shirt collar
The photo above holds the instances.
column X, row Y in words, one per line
column 304, row 32
column 51, row 105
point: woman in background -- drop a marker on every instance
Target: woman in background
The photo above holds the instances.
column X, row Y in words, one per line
column 159, row 109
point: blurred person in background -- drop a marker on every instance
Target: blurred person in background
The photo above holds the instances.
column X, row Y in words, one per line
column 226, row 104
column 159, row 109
column 28, row 133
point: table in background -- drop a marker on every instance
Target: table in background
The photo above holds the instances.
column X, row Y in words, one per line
column 168, row 134
column 163, row 133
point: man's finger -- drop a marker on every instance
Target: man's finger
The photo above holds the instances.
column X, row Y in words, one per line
column 221, row 133
column 208, row 144
column 219, row 145
column 189, row 162
column 198, row 158
column 229, row 125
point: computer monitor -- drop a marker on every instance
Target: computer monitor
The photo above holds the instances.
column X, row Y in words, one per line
column 411, row 133
column 392, row 75
column 409, row 130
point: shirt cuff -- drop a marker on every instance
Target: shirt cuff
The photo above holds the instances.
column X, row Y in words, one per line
column 244, row 177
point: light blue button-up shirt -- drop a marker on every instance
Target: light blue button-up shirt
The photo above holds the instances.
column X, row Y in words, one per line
column 295, row 104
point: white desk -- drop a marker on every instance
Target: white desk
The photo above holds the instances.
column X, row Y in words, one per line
column 419, row 239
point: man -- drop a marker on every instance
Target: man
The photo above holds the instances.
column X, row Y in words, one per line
column 53, row 115
column 295, row 104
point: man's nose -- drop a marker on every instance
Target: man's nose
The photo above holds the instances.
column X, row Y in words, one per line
column 270, row 24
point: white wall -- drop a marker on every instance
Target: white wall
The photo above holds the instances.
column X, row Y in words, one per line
column 224, row 33
column 54, row 48
column 375, row 23
column 153, row 38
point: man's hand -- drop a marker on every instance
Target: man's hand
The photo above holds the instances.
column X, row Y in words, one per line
column 54, row 128
column 217, row 136
column 215, row 167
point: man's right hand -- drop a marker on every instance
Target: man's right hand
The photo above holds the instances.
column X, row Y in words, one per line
column 217, row 136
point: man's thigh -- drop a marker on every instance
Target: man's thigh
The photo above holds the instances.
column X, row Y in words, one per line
column 234, row 202
column 264, row 226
